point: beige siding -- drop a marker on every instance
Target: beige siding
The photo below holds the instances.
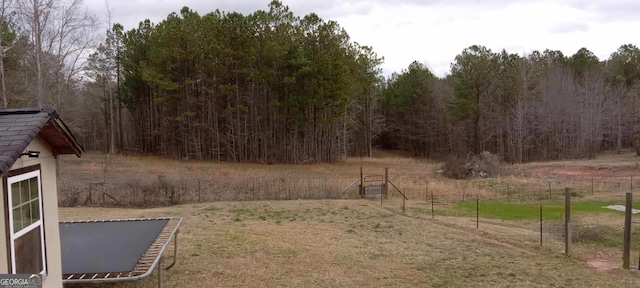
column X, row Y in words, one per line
column 4, row 267
column 50, row 197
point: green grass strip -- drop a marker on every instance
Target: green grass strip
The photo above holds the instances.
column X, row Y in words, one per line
column 531, row 211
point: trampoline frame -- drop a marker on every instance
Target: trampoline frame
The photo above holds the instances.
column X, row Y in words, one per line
column 152, row 257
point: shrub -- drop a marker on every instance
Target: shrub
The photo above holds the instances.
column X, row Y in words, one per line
column 582, row 231
column 585, row 232
column 454, row 168
column 481, row 166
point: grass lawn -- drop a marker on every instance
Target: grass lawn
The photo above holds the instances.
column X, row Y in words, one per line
column 531, row 211
column 258, row 242
column 349, row 243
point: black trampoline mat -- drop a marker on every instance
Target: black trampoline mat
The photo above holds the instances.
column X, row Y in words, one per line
column 106, row 247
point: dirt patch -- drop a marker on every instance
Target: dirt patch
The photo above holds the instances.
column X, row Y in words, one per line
column 602, row 261
column 607, row 166
column 585, row 172
column 602, row 265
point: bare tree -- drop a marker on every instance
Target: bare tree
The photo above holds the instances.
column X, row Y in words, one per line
column 5, row 11
column 35, row 15
column 60, row 33
column 111, row 126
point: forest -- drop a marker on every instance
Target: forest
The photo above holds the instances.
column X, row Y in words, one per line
column 275, row 87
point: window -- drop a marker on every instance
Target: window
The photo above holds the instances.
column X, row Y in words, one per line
column 25, row 224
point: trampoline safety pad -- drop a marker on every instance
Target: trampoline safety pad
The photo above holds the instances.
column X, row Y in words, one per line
column 114, row 250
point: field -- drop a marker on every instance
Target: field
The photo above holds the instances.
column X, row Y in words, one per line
column 348, row 242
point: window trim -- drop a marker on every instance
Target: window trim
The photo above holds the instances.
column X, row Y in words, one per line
column 14, row 176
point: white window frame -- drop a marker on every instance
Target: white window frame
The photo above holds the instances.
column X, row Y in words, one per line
column 36, row 225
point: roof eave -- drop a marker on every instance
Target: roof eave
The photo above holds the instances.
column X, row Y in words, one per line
column 71, row 141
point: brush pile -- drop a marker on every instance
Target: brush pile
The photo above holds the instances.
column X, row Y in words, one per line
column 484, row 165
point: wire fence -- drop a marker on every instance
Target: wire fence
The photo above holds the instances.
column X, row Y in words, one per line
column 154, row 190
column 516, row 210
column 518, row 188
column 146, row 192
column 527, row 218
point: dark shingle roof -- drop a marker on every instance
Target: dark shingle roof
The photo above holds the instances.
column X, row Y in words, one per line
column 18, row 127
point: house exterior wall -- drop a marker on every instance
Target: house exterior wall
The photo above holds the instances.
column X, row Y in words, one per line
column 50, row 213
column 4, row 265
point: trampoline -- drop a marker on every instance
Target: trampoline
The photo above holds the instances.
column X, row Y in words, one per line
column 96, row 251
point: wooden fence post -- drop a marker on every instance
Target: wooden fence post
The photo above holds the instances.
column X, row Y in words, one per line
column 626, row 241
column 477, row 211
column 540, row 225
column 567, row 221
column 432, row 212
column 361, row 183
column 386, row 181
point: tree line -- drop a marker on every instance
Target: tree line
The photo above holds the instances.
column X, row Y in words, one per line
column 272, row 86
column 43, row 44
column 268, row 86
column 541, row 106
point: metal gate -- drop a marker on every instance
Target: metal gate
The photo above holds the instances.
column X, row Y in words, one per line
column 373, row 187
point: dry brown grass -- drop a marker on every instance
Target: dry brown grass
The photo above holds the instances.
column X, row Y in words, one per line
column 351, row 243
column 354, row 243
column 130, row 178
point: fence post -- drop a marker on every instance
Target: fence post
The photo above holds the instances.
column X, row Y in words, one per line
column 592, row 186
column 567, row 220
column 386, row 181
column 549, row 189
column 432, row 214
column 540, row 225
column 477, row 211
column 90, row 195
column 361, row 184
column 626, row 241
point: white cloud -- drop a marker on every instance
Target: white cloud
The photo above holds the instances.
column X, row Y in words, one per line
column 568, row 27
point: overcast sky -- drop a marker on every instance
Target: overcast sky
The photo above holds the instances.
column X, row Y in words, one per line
column 435, row 31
